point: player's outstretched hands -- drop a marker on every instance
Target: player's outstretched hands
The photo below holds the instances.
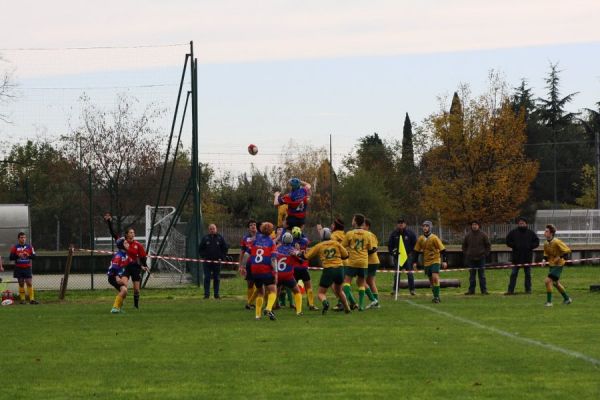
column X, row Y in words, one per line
column 444, row 265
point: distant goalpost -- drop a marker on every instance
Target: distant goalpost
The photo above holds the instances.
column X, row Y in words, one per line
column 166, row 240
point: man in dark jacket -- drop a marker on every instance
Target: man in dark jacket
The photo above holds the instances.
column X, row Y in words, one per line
column 409, row 238
column 476, row 246
column 522, row 241
column 212, row 247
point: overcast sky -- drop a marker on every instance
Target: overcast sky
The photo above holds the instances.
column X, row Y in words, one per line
column 271, row 71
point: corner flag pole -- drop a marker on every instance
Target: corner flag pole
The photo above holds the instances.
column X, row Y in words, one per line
column 402, row 257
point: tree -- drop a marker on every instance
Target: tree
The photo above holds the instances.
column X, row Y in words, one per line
column 552, row 109
column 122, row 147
column 479, row 169
column 247, row 196
column 36, row 173
column 365, row 193
column 522, row 100
column 408, row 177
column 7, row 93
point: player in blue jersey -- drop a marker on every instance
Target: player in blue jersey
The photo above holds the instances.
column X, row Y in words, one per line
column 115, row 275
column 22, row 253
column 263, row 267
column 244, row 268
column 297, row 202
column 287, row 260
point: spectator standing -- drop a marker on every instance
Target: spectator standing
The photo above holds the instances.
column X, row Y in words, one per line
column 476, row 247
column 522, row 241
column 410, row 239
column 212, row 248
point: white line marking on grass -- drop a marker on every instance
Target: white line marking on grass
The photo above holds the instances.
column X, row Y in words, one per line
column 509, row 335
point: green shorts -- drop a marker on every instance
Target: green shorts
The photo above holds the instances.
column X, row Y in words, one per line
column 554, row 273
column 433, row 268
column 355, row 271
column 372, row 270
column 331, row 276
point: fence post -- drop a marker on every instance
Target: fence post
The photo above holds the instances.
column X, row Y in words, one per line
column 65, row 279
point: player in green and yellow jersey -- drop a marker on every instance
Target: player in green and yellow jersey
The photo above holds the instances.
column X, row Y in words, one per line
column 331, row 253
column 371, row 291
column 434, row 254
column 555, row 254
column 358, row 243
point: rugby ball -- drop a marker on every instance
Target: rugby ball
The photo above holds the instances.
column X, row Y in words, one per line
column 7, row 302
column 252, row 149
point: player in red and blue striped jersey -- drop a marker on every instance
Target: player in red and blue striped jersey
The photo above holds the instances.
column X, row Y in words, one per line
column 244, row 268
column 136, row 255
column 22, row 253
column 115, row 275
column 297, row 202
column 287, row 260
column 301, row 243
column 263, row 267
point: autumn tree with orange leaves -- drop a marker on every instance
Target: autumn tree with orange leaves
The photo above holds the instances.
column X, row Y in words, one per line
column 477, row 169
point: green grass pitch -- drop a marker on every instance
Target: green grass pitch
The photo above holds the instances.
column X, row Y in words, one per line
column 179, row 346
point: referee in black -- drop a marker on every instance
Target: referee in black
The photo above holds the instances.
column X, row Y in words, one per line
column 212, row 247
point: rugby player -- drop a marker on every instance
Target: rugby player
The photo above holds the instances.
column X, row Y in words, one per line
column 331, row 253
column 555, row 254
column 434, row 254
column 358, row 243
column 22, row 253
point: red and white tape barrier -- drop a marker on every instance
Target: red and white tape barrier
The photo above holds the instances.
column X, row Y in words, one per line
column 502, row 266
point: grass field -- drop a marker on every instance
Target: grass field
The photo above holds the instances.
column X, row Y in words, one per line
column 181, row 346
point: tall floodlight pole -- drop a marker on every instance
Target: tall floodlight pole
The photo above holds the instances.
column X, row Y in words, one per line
column 195, row 183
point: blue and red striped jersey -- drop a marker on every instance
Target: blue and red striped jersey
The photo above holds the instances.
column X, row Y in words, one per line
column 22, row 254
column 297, row 202
column 261, row 252
column 286, row 262
column 302, row 244
column 118, row 263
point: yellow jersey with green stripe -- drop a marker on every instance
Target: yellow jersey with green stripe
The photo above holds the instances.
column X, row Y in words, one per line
column 373, row 257
column 338, row 236
column 554, row 250
column 358, row 243
column 330, row 252
column 430, row 246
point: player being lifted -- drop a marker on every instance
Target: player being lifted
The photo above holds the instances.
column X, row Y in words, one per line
column 263, row 266
column 287, row 260
column 331, row 253
column 297, row 202
column 136, row 255
column 434, row 254
column 555, row 254
column 115, row 275
column 358, row 243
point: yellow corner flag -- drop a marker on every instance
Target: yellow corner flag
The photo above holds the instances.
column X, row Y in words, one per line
column 402, row 256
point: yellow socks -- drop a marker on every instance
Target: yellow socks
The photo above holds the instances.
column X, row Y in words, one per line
column 259, row 304
column 271, row 298
column 30, row 292
column 21, row 293
column 118, row 302
column 298, row 301
column 310, row 297
column 250, row 294
column 253, row 296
